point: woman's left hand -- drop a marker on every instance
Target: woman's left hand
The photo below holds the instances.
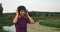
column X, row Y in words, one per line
column 27, row 13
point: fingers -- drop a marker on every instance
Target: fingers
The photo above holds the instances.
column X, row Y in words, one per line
column 27, row 10
column 16, row 12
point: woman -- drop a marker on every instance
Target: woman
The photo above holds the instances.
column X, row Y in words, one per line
column 21, row 19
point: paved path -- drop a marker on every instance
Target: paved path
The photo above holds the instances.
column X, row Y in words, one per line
column 40, row 28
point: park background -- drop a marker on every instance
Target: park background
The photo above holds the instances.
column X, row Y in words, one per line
column 45, row 13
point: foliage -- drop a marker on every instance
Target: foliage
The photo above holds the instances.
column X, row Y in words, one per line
column 1, row 9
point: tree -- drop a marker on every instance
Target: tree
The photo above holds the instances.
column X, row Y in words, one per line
column 1, row 9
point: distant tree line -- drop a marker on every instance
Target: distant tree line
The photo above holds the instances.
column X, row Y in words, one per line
column 45, row 14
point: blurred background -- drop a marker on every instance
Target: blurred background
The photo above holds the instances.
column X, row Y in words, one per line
column 46, row 14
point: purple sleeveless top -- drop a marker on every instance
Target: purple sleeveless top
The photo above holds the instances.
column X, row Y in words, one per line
column 21, row 25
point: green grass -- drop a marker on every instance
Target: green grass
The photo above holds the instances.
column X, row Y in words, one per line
column 51, row 22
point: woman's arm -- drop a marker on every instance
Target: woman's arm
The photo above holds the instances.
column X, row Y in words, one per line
column 30, row 19
column 15, row 18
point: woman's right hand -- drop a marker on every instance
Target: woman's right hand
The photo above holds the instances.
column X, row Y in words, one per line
column 17, row 12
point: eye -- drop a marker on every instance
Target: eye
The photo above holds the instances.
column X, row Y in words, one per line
column 22, row 10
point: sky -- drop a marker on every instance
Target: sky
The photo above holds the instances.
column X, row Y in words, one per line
column 10, row 6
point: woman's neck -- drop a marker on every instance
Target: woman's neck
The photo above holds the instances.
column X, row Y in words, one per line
column 22, row 16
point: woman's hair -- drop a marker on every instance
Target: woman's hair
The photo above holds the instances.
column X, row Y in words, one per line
column 21, row 8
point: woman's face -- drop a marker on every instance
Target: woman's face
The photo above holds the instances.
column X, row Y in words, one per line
column 22, row 13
